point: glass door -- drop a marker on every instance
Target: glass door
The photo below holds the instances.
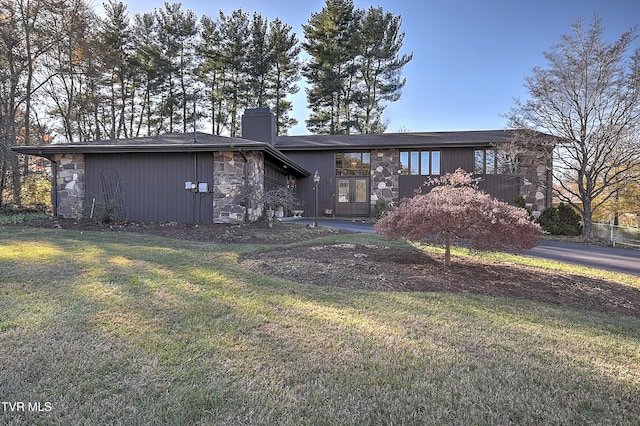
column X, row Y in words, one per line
column 352, row 196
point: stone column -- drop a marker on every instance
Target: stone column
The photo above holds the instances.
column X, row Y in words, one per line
column 534, row 183
column 385, row 164
column 70, row 185
column 231, row 191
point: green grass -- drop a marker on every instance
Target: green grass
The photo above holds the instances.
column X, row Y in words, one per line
column 538, row 262
column 115, row 328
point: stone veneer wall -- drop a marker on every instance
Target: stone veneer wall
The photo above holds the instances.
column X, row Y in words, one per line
column 230, row 194
column 70, row 185
column 534, row 183
column 385, row 164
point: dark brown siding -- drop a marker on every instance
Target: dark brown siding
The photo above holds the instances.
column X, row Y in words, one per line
column 153, row 185
column 502, row 187
column 324, row 163
column 453, row 159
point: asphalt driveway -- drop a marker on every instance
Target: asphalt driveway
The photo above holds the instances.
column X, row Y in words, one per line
column 613, row 259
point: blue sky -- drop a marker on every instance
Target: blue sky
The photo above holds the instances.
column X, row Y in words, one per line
column 470, row 56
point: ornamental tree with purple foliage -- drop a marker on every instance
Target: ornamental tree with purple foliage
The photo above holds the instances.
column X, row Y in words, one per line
column 456, row 212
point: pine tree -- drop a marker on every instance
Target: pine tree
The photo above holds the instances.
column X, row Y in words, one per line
column 329, row 41
column 259, row 60
column 355, row 67
column 236, row 36
column 177, row 32
column 149, row 62
column 284, row 73
column 380, row 68
column 115, row 38
column 212, row 71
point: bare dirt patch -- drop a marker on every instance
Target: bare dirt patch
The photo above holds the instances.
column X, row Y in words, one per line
column 380, row 268
column 361, row 267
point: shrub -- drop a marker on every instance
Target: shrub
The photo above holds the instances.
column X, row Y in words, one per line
column 36, row 190
column 379, row 209
column 456, row 212
column 560, row 220
column 520, row 201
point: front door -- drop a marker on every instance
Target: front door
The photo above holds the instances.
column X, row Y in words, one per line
column 353, row 196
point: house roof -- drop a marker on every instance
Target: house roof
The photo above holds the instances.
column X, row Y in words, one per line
column 396, row 140
column 168, row 143
column 199, row 142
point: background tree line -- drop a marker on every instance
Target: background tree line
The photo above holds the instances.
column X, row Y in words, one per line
column 69, row 75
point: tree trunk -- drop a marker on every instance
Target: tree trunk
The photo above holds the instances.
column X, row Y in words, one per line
column 587, row 219
column 447, row 250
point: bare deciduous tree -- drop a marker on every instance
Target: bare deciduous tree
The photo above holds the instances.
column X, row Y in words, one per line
column 588, row 96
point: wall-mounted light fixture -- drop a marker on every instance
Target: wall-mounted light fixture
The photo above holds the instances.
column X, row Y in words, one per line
column 316, row 180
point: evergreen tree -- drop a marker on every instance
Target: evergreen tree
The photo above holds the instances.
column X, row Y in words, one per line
column 259, row 60
column 177, row 30
column 212, row 71
column 235, row 42
column 115, row 38
column 355, row 67
column 329, row 41
column 285, row 72
column 380, row 68
column 248, row 64
column 150, row 64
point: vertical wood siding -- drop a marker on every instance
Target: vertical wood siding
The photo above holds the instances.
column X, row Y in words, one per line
column 324, row 163
column 153, row 185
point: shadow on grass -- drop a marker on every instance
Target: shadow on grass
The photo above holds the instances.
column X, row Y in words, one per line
column 140, row 328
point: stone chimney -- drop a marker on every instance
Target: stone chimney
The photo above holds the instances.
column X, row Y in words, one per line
column 259, row 124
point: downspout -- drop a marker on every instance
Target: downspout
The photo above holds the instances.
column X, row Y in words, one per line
column 195, row 194
column 54, row 188
column 246, row 184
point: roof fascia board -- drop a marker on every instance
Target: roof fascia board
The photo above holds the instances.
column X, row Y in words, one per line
column 398, row 146
column 48, row 151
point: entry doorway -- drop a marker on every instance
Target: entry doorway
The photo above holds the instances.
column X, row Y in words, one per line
column 352, row 196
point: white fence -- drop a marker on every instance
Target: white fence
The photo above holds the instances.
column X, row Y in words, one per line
column 617, row 235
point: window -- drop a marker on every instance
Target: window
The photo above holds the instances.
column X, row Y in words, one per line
column 414, row 163
column 424, row 162
column 421, row 163
column 490, row 162
column 478, row 163
column 435, row 162
column 404, row 162
column 507, row 163
column 494, row 161
column 353, row 163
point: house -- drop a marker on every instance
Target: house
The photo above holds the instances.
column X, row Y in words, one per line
column 200, row 177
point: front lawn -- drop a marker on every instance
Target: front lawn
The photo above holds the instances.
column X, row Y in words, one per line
column 123, row 328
